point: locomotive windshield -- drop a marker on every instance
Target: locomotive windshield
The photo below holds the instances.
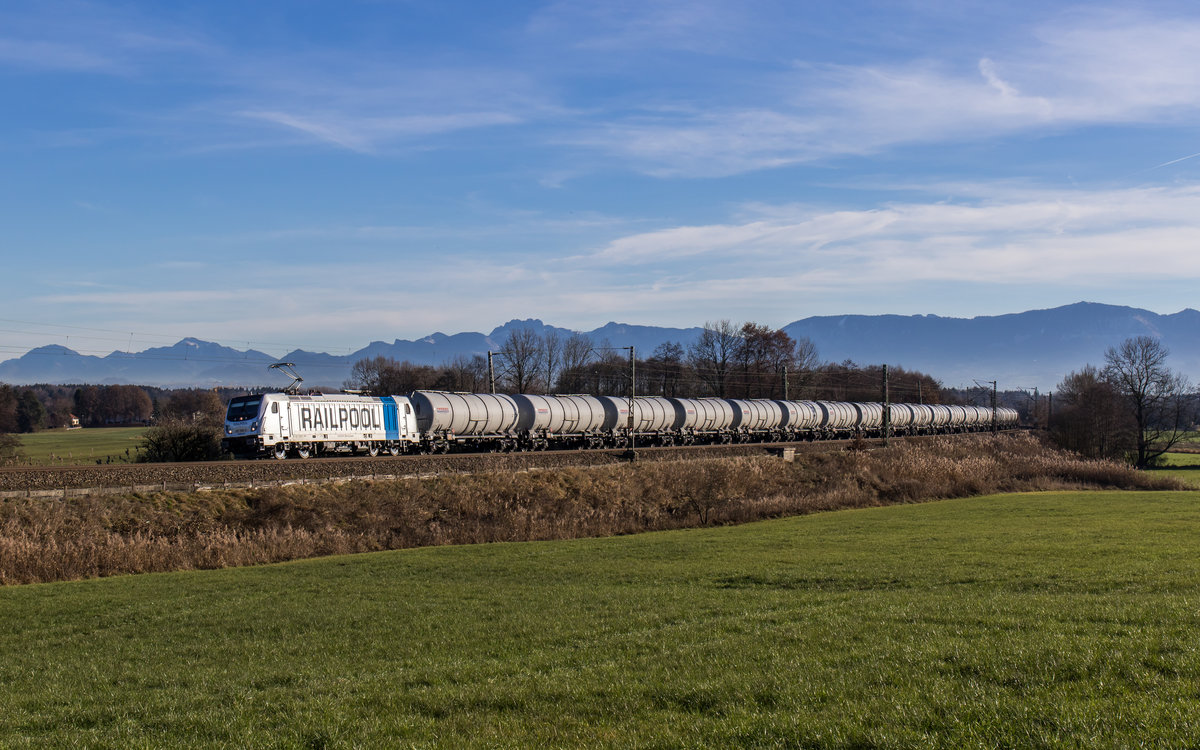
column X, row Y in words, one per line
column 243, row 408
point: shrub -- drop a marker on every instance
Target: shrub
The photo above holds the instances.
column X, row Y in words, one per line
column 181, row 440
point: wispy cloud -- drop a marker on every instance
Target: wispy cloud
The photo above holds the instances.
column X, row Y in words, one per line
column 1059, row 237
column 706, row 26
column 84, row 37
column 365, row 134
column 1098, row 69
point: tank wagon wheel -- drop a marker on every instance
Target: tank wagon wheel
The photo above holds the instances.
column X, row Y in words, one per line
column 304, row 450
column 372, row 449
column 279, row 451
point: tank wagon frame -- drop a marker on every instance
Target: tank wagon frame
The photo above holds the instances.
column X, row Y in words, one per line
column 283, row 425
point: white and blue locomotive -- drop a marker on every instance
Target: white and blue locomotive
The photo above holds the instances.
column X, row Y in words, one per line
column 283, row 424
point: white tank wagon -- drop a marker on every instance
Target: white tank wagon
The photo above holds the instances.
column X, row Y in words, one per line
column 542, row 420
column 541, row 414
column 979, row 416
column 701, row 418
column 653, row 414
column 838, row 418
column 922, row 419
column 941, row 417
column 755, row 418
column 800, row 419
column 654, row 419
column 870, row 418
column 279, row 425
column 574, row 419
column 901, row 418
column 481, row 418
column 958, row 418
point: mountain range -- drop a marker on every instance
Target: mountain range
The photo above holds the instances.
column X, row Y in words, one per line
column 1030, row 349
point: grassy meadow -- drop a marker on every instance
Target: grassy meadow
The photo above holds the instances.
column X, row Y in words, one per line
column 83, row 446
column 1182, row 466
column 1054, row 619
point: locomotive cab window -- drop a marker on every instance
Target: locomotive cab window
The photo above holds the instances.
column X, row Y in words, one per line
column 275, row 408
column 243, row 408
column 407, row 409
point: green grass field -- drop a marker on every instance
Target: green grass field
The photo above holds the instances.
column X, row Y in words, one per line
column 1184, row 466
column 85, row 446
column 1040, row 620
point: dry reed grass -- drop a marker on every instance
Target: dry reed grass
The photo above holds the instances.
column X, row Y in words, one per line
column 52, row 540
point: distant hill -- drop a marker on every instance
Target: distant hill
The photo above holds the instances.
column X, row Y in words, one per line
column 1029, row 349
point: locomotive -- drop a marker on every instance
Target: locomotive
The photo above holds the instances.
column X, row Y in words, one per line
column 288, row 424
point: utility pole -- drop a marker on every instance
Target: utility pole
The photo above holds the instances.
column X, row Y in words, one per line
column 786, row 397
column 887, row 407
column 995, row 426
column 491, row 371
column 632, row 400
column 1049, row 408
column 1037, row 401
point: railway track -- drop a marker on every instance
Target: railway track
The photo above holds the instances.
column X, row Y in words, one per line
column 210, row 473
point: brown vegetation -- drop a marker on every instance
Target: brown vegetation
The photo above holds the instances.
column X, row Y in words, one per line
column 47, row 540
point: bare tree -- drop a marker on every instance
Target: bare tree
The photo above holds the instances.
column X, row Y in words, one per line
column 1090, row 418
column 665, row 369
column 384, row 376
column 521, row 354
column 552, row 349
column 713, row 354
column 1155, row 397
column 467, row 374
column 803, row 366
column 576, row 351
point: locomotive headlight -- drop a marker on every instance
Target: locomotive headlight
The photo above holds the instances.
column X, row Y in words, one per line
column 253, row 426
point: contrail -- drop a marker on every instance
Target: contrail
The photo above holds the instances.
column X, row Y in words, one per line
column 1176, row 161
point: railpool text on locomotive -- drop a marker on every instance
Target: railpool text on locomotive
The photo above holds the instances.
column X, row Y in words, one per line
column 340, row 417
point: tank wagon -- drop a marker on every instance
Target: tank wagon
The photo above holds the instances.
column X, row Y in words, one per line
column 282, row 424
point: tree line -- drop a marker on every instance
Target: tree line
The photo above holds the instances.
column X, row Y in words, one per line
column 727, row 360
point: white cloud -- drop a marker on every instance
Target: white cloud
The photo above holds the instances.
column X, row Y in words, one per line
column 1099, row 69
column 1044, row 237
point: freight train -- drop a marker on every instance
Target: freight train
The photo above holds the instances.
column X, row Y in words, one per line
column 285, row 424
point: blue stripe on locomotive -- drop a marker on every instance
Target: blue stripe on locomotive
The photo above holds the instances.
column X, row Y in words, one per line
column 391, row 418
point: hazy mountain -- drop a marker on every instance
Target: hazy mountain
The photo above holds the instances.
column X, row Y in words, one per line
column 1030, row 349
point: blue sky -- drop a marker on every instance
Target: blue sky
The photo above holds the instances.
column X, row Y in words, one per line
column 323, row 174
